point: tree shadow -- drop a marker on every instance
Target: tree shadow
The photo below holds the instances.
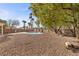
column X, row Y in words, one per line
column 74, row 49
column 76, row 41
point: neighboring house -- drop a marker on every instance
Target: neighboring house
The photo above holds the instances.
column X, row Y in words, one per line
column 2, row 23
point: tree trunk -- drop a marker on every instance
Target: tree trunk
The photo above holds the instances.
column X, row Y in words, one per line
column 75, row 29
column 75, row 34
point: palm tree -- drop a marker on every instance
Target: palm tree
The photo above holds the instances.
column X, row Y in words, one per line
column 30, row 25
column 24, row 22
column 37, row 23
column 30, row 16
column 32, row 20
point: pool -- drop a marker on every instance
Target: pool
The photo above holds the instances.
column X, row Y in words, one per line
column 33, row 33
column 30, row 33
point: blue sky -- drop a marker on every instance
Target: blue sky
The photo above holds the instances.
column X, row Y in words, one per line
column 18, row 11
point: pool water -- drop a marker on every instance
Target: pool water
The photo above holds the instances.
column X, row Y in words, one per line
column 33, row 33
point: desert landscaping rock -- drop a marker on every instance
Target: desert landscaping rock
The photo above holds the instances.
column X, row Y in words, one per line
column 37, row 45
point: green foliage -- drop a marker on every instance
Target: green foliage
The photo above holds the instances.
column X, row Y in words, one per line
column 4, row 21
column 56, row 14
column 37, row 23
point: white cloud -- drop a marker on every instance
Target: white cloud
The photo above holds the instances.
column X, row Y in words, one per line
column 4, row 14
column 7, row 14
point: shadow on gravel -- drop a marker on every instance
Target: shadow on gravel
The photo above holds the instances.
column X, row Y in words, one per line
column 76, row 41
column 74, row 50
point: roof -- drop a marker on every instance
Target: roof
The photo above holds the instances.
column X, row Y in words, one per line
column 2, row 21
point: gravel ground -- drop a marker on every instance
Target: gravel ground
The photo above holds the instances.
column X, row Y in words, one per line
column 36, row 45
